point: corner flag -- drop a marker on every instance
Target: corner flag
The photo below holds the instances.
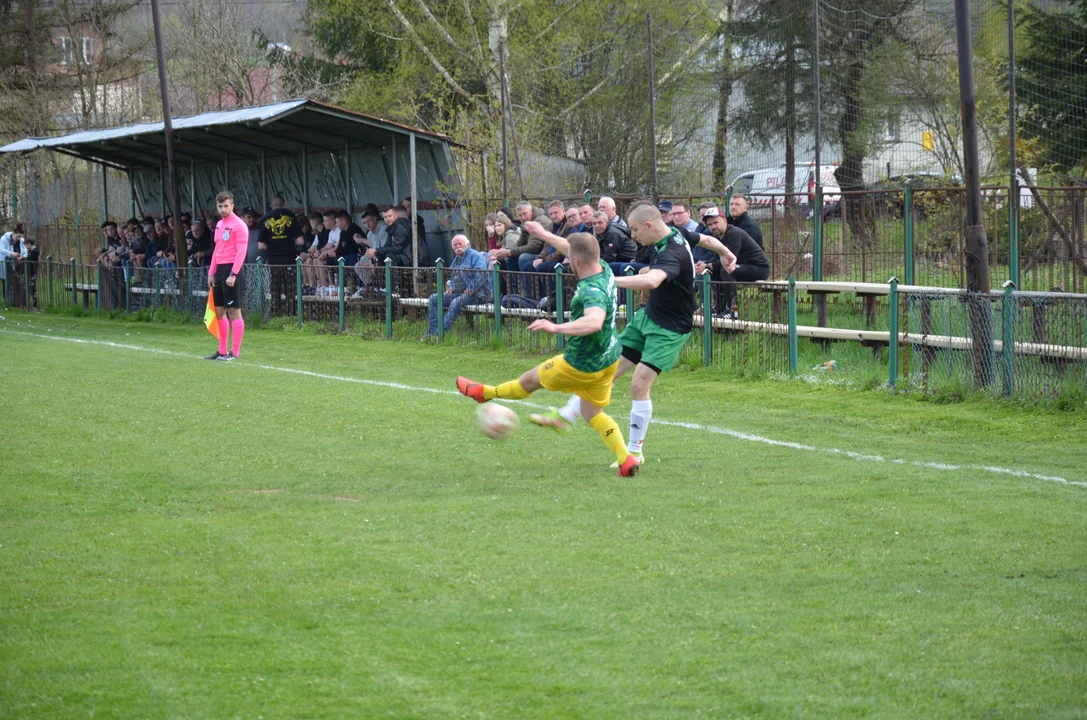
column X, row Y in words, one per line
column 209, row 317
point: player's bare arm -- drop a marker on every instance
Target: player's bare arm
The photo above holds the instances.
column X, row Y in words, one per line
column 728, row 260
column 643, row 281
column 592, row 321
column 536, row 230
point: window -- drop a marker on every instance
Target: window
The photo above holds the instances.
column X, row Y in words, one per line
column 894, row 127
column 65, row 45
column 87, row 50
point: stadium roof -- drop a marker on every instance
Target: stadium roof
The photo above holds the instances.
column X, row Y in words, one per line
column 284, row 128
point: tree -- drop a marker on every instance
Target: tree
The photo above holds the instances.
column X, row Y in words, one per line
column 1055, row 57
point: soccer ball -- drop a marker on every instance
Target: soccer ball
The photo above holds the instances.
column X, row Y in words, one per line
column 496, row 421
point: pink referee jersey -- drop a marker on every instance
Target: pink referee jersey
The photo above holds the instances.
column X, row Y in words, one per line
column 231, row 244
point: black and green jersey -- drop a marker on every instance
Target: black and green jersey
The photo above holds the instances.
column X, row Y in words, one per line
column 672, row 304
column 592, row 353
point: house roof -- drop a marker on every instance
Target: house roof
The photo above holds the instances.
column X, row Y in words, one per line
column 283, row 128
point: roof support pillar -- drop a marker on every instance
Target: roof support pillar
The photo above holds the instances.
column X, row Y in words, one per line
column 414, row 208
column 131, row 193
column 347, row 179
column 264, row 178
column 396, row 185
column 305, row 179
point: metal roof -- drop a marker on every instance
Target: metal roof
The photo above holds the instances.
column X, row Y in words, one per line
column 284, row 128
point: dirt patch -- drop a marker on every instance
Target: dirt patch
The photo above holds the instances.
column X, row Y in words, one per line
column 346, row 498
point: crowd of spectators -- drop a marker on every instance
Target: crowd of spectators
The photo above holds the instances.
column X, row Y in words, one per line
column 320, row 240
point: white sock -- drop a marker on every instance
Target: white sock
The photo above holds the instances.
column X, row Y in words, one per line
column 571, row 411
column 641, row 412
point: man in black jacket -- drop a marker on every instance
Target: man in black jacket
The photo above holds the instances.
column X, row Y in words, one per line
column 751, row 262
column 399, row 246
column 738, row 217
column 615, row 245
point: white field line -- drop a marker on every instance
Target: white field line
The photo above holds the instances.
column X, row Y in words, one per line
column 735, row 434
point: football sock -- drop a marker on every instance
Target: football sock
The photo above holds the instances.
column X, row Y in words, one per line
column 571, row 411
column 237, row 330
column 610, row 433
column 511, row 390
column 224, row 334
column 641, row 411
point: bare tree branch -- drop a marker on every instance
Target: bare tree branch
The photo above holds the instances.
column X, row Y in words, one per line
column 429, row 55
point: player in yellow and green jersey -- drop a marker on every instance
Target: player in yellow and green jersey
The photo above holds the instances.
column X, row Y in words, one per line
column 588, row 365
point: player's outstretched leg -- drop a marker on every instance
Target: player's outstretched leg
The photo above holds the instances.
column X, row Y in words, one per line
column 518, row 389
column 554, row 419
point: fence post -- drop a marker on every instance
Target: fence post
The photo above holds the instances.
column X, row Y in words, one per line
column 128, row 289
column 497, row 292
column 707, row 321
column 26, row 283
column 71, row 266
column 559, row 312
column 1009, row 337
column 907, row 216
column 794, row 361
column 49, row 278
column 441, row 300
column 630, row 297
column 388, row 298
column 260, row 288
column 339, row 283
column 817, row 237
column 298, row 288
column 892, row 359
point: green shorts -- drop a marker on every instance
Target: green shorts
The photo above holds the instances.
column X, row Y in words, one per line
column 646, row 342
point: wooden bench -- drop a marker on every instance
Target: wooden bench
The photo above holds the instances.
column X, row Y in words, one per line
column 86, row 289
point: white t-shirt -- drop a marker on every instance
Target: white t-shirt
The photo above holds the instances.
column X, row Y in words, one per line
column 333, row 237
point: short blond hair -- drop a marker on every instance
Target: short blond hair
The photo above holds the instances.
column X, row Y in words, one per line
column 584, row 247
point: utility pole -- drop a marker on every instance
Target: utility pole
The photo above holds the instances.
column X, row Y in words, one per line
column 977, row 245
column 505, row 144
column 168, row 131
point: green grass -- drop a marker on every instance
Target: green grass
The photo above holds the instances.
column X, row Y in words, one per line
column 187, row 539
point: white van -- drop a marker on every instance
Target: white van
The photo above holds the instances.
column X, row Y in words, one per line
column 765, row 189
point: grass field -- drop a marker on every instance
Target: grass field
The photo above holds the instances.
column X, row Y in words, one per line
column 320, row 531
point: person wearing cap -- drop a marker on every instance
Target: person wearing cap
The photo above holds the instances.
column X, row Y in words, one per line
column 751, row 262
column 665, row 207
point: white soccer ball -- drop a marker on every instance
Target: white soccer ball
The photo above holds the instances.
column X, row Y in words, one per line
column 496, row 421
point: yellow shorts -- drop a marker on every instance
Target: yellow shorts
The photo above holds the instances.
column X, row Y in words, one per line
column 558, row 375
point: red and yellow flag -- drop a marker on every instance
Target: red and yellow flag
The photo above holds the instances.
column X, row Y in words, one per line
column 210, row 320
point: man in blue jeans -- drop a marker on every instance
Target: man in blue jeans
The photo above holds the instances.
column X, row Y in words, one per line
column 469, row 282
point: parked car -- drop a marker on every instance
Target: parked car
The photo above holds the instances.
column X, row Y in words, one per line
column 766, row 193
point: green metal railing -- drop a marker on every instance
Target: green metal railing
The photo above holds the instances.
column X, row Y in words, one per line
column 1037, row 344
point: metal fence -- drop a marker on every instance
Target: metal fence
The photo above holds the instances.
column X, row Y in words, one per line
column 1010, row 343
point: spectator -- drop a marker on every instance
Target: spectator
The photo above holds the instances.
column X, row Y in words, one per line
column 738, row 217
column 557, row 212
column 586, row 213
column 199, row 243
column 423, row 250
column 281, row 239
column 607, row 206
column 377, row 236
column 468, row 282
column 573, row 221
column 166, row 255
column 406, row 204
column 352, row 242
column 139, row 252
column 399, row 245
column 665, row 208
column 252, row 221
column 681, row 216
column 30, row 262
column 12, row 249
column 616, row 247
column 751, row 262
column 519, row 255
column 494, row 238
column 525, row 212
column 107, row 257
column 315, row 263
